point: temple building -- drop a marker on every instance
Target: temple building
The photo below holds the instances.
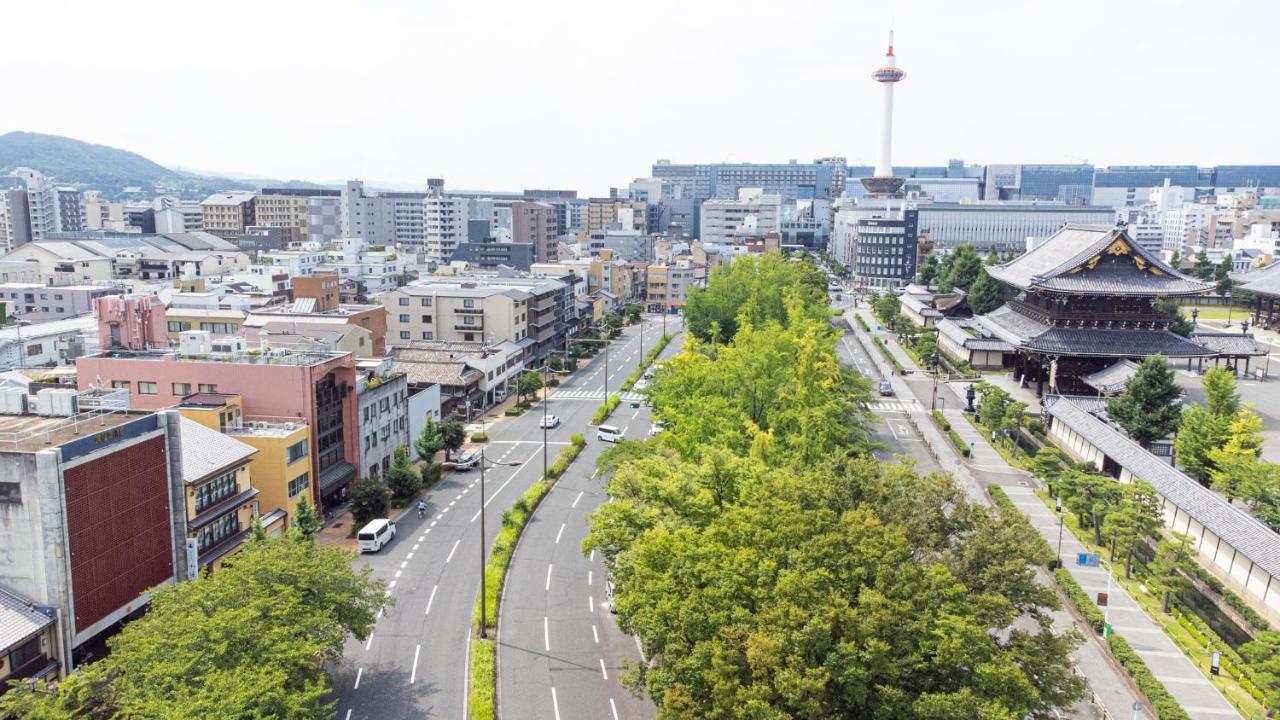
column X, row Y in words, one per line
column 1087, row 299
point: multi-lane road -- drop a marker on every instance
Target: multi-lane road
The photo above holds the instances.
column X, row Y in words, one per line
column 413, row 665
column 559, row 648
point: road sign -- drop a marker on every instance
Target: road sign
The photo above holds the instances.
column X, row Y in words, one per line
column 1088, row 559
column 1102, row 599
column 1215, row 663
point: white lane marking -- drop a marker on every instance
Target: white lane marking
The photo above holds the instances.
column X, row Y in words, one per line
column 603, row 672
column 593, row 555
column 348, row 714
column 420, row 539
column 452, row 503
column 614, row 708
column 494, row 494
column 390, row 585
column 399, row 573
column 433, row 522
column 431, row 599
column 555, row 704
column 459, row 497
column 595, row 634
column 408, row 557
column 415, row 547
column 575, row 500
column 455, row 549
column 635, row 414
column 413, row 674
column 403, row 564
column 591, row 605
column 368, row 644
column 558, row 534
column 548, row 587
column 546, row 634
column 359, row 674
column 589, row 573
column 639, row 649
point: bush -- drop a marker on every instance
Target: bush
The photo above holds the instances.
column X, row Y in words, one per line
column 431, row 472
column 1233, row 600
column 566, row 456
column 884, row 350
column 483, row 680
column 1082, row 602
column 862, row 323
column 516, row 410
column 603, row 412
column 961, row 446
column 648, row 360
column 479, row 437
column 942, row 421
column 1250, row 680
column 1161, row 701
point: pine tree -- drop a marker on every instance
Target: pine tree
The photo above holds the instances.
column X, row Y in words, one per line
column 986, row 294
column 430, row 441
column 1149, row 408
column 401, row 479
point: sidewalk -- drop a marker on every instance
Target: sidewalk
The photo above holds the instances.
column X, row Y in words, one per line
column 1184, row 681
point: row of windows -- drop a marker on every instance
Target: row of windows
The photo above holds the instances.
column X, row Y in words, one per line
column 218, row 530
column 426, row 302
column 298, row 484
column 30, row 297
column 296, row 451
column 220, row 488
column 179, row 389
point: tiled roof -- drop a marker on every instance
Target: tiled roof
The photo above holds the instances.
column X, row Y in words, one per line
column 954, row 329
column 989, row 345
column 205, row 451
column 1011, row 326
column 1115, row 343
column 1056, row 265
column 1243, row 531
column 452, row 374
column 1231, row 345
column 1262, row 282
column 19, row 619
column 1113, row 378
column 1252, row 274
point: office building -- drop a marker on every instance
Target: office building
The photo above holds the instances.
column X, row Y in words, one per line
column 878, row 243
column 40, row 302
column 29, row 208
column 71, row 212
column 445, row 227
column 824, row 177
column 228, row 213
column 180, row 218
column 389, row 218
column 101, row 214
column 1071, row 184
column 667, row 285
column 303, row 311
column 1003, row 226
column 750, row 216
column 534, row 223
column 492, row 255
column 288, row 213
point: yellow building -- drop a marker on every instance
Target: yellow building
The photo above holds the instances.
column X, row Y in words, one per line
column 217, row 322
column 280, row 468
column 221, row 500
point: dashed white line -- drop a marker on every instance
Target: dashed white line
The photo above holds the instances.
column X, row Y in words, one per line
column 359, row 674
column 614, row 708
column 369, row 643
column 391, row 585
column 589, row 574
column 595, row 634
column 639, row 649
column 348, row 714
column 555, row 704
column 403, row 564
column 415, row 546
column 431, row 599
column 420, row 539
column 575, row 500
column 546, row 634
column 559, row 533
column 593, row 555
column 548, row 587
column 591, row 605
column 455, row 549
column 413, row 674
column 452, row 503
column 399, row 573
column 603, row 672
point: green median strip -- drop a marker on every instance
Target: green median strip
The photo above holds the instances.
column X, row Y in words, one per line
column 483, row 652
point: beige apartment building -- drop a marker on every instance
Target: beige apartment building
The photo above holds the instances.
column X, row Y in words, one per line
column 288, row 212
column 228, row 213
column 603, row 212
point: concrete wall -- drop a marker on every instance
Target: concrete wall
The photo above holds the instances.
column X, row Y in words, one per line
column 421, row 404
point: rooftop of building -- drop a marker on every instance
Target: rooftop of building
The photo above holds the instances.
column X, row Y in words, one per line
column 32, row 433
column 228, row 198
column 301, row 307
column 481, row 285
column 30, row 331
column 20, row 618
column 282, row 356
column 207, row 452
column 56, row 288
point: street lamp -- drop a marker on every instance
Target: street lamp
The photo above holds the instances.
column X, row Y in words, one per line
column 933, row 405
column 1195, row 315
column 1060, row 518
column 1228, row 294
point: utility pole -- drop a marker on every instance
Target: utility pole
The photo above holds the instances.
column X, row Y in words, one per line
column 482, row 546
column 546, row 398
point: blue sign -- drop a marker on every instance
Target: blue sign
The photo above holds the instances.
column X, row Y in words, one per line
column 1088, row 559
column 110, row 436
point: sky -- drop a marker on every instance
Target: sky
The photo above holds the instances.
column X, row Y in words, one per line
column 586, row 94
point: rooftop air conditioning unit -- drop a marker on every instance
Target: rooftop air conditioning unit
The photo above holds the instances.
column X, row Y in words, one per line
column 13, row 401
column 195, row 342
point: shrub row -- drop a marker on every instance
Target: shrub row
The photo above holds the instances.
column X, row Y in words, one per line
column 479, row 437
column 1161, row 701
column 942, row 421
column 648, row 360
column 515, row 410
column 603, row 412
column 1235, row 601
column 1011, row 514
column 483, row 652
column 1231, row 662
column 961, row 446
column 884, row 350
column 1081, row 600
column 862, row 323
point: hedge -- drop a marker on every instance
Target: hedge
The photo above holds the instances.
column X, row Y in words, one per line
column 1083, row 603
column 603, row 412
column 862, row 323
column 483, row 652
column 648, row 360
column 1231, row 662
column 942, row 421
column 1235, row 601
column 516, row 410
column 1161, row 701
column 884, row 350
column 479, row 437
column 1011, row 514
column 961, row 445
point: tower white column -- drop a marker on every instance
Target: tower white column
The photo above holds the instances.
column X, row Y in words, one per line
column 883, row 182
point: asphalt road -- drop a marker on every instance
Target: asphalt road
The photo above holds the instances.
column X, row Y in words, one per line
column 414, row 664
column 559, row 648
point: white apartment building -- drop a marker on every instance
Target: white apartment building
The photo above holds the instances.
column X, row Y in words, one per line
column 750, row 216
column 228, row 213
column 1185, row 226
column 181, row 218
column 389, row 218
column 295, row 262
column 100, row 214
column 444, row 226
column 461, row 310
column 373, row 269
column 29, row 208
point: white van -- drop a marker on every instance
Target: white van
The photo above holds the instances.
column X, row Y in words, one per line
column 376, row 534
column 609, row 433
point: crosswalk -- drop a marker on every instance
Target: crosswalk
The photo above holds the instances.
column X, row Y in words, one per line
column 896, row 406
column 593, row 395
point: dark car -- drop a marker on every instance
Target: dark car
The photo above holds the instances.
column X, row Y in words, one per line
column 886, row 389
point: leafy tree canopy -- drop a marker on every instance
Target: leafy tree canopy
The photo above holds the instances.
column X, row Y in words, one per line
column 1150, row 407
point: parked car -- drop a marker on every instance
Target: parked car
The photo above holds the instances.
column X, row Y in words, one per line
column 886, row 389
column 467, row 460
column 609, row 433
column 550, row 421
column 377, row 533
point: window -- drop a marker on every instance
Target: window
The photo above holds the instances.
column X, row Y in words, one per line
column 219, row 530
column 385, row 405
column 469, row 320
column 404, row 301
column 10, row 493
column 426, row 318
column 178, row 326
column 426, row 302
column 34, row 349
column 427, row 335
column 208, row 387
column 220, row 488
column 24, row 653
column 147, row 388
column 468, row 337
column 404, row 334
column 297, row 451
column 181, row 389
column 468, row 303
column 298, row 484
column 404, row 318
column 120, row 384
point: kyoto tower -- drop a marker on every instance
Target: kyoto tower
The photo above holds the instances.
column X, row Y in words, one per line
column 884, row 183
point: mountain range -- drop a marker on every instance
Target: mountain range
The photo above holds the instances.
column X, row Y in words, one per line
column 110, row 170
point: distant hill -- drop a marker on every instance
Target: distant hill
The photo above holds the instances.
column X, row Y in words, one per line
column 106, row 169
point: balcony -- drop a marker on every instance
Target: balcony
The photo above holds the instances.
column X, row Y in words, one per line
column 469, row 328
column 469, row 311
column 544, row 304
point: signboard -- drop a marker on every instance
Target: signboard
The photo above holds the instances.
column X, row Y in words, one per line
column 119, row 433
column 1102, row 599
column 1215, row 665
column 193, row 559
column 1088, row 559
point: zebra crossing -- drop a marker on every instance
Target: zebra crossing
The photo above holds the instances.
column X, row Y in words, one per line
column 593, row 395
column 896, row 406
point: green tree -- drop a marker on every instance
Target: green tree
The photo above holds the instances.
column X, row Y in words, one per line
column 1149, row 408
column 610, row 323
column 1260, row 487
column 306, row 520
column 430, row 441
column 886, row 306
column 1173, row 557
column 1175, row 260
column 927, row 273
column 1090, row 497
column 1203, row 268
column 986, row 294
column 1046, row 464
column 1199, row 433
column 251, row 640
column 454, row 434
column 755, row 289
column 1221, row 274
column 527, row 384
column 402, row 480
column 1179, row 324
column 960, row 269
column 1263, row 654
column 1137, row 517
column 370, row 499
column 1221, row 396
column 1234, row 459
column 632, row 312
column 256, row 532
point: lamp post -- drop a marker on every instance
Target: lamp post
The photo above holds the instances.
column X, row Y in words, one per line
column 546, row 399
column 482, row 543
column 933, row 405
column 1195, row 316
column 1228, row 294
column 1059, row 511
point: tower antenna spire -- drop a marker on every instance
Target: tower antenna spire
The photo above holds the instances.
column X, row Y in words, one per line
column 883, row 182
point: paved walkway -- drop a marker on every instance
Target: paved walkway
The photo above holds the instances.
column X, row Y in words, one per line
column 1184, row 681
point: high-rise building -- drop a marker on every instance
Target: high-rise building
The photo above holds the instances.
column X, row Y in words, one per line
column 228, row 213
column 752, row 215
column 534, row 223
column 1072, row 184
column 70, row 209
column 444, row 226
column 29, row 208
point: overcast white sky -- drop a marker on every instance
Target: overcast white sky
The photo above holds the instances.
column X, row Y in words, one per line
column 585, row 94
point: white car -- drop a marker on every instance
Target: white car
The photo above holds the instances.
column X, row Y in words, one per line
column 549, row 422
column 657, row 428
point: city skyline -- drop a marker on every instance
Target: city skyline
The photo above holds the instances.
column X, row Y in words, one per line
column 397, row 94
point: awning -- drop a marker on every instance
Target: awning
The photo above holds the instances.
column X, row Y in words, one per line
column 336, row 476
